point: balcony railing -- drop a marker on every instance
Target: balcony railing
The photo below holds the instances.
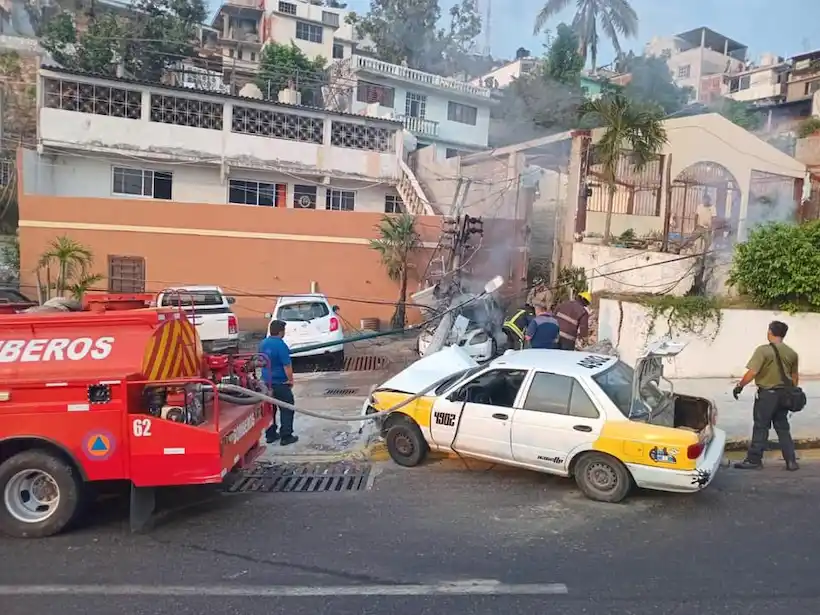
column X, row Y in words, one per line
column 419, row 125
column 373, row 65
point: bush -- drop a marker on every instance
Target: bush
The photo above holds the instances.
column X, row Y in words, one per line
column 779, row 266
column 808, row 127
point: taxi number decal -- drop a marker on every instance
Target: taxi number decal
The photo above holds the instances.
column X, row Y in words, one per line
column 593, row 361
column 445, row 418
column 142, row 428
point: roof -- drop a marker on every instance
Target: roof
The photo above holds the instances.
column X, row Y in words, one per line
column 559, row 361
column 285, row 300
column 713, row 39
column 179, row 88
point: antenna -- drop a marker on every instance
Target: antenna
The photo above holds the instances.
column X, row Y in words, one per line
column 488, row 23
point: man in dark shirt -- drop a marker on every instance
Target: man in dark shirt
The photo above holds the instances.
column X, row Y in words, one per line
column 543, row 330
column 573, row 318
column 768, row 407
column 279, row 378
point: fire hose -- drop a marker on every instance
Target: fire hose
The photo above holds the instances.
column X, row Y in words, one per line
column 234, row 394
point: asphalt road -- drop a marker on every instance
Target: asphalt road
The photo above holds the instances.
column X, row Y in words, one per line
column 748, row 543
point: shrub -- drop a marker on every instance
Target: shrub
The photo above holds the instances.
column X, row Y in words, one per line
column 808, row 127
column 779, row 266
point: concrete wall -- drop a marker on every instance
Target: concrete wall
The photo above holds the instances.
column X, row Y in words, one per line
column 762, row 84
column 86, row 175
column 651, row 272
column 282, row 28
column 255, row 253
column 725, row 356
column 63, row 128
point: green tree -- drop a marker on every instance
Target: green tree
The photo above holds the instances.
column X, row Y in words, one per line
column 616, row 18
column 779, row 266
column 65, row 267
column 628, row 128
column 280, row 65
column 151, row 36
column 563, row 62
column 397, row 241
column 741, row 113
column 651, row 83
column 408, row 31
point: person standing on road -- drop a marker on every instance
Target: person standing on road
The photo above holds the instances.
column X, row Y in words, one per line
column 573, row 318
column 765, row 369
column 279, row 378
column 542, row 331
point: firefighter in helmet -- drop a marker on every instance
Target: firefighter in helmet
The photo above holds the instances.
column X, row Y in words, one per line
column 515, row 326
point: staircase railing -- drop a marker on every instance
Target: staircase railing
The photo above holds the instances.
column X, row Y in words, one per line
column 411, row 193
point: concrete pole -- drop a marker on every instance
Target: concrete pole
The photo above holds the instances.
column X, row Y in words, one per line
column 565, row 218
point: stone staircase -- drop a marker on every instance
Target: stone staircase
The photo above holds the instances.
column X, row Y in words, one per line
column 411, row 193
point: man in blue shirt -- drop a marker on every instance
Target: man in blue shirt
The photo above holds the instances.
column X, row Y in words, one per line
column 279, row 378
column 543, row 330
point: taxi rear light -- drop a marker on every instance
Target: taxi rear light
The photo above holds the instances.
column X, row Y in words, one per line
column 334, row 324
column 693, row 451
column 233, row 327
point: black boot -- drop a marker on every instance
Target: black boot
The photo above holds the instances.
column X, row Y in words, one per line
column 747, row 465
column 792, row 466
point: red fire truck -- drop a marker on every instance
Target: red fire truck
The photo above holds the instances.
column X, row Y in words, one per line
column 117, row 392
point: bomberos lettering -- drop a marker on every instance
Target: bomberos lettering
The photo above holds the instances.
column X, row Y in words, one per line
column 55, row 349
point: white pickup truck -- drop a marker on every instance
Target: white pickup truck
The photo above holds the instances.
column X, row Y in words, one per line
column 211, row 313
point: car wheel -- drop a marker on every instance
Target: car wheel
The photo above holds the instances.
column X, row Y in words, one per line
column 40, row 494
column 406, row 444
column 602, row 478
column 338, row 360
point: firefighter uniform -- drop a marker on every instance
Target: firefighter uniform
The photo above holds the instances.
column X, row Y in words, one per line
column 516, row 326
column 573, row 318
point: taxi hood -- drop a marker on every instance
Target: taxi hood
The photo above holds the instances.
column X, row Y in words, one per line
column 649, row 367
column 429, row 370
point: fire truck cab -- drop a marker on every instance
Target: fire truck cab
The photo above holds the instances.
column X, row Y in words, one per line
column 113, row 393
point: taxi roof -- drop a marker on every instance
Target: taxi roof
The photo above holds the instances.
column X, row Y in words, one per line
column 557, row 361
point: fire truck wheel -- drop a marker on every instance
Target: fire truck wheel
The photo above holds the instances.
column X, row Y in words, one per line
column 406, row 444
column 40, row 493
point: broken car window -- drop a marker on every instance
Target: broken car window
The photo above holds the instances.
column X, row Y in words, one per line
column 498, row 387
column 616, row 383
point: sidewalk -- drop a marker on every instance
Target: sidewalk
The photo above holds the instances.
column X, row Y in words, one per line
column 735, row 417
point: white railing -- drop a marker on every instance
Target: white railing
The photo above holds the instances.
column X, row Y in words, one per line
column 419, row 125
column 410, row 74
column 411, row 193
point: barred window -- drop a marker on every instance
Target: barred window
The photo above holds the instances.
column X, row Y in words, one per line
column 126, row 274
column 186, row 112
column 393, row 204
column 264, row 123
column 90, row 98
column 361, row 136
column 287, row 7
column 308, row 32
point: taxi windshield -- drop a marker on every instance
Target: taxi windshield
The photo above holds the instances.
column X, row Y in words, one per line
column 616, row 382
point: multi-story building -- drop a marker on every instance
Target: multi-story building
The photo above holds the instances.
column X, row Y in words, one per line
column 201, row 187
column 451, row 115
column 763, row 83
column 501, row 77
column 804, row 79
column 695, row 54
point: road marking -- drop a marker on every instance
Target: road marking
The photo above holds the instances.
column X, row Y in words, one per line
column 468, row 588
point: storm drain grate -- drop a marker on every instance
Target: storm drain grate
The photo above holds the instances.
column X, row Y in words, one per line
column 339, row 392
column 303, row 478
column 365, row 363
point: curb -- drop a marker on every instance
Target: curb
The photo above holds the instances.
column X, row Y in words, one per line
column 772, row 445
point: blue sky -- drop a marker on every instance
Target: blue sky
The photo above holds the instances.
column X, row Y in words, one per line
column 783, row 27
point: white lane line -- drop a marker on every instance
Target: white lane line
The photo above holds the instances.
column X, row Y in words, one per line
column 482, row 588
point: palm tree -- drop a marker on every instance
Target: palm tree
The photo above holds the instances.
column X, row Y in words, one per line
column 397, row 240
column 627, row 126
column 70, row 261
column 616, row 18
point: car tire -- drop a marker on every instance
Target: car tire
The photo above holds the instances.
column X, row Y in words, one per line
column 337, row 360
column 602, row 478
column 54, row 474
column 406, row 444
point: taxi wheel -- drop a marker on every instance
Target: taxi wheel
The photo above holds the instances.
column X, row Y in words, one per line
column 602, row 478
column 406, row 444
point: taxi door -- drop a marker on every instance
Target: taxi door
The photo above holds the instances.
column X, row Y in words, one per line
column 476, row 418
column 556, row 416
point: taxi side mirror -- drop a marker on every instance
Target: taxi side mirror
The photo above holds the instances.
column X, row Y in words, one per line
column 230, row 300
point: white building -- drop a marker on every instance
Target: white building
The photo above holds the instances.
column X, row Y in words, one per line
column 696, row 54
column 503, row 76
column 118, row 138
column 451, row 115
column 763, row 83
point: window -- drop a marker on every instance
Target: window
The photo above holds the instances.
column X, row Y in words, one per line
column 498, row 387
column 126, row 274
column 451, row 152
column 684, row 71
column 304, row 311
column 256, row 193
column 340, row 200
column 330, row 19
column 140, row 182
column 230, row 53
column 463, row 114
column 308, row 32
column 361, row 136
column 253, row 56
column 745, row 82
column 97, row 99
column 812, row 87
column 616, row 383
column 304, row 197
column 265, row 123
column 338, row 51
column 372, row 93
column 186, row 112
column 287, row 7
column 415, row 105
column 393, row 204
column 559, row 395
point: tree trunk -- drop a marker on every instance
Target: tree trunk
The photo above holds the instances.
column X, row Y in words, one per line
column 400, row 317
column 610, row 204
